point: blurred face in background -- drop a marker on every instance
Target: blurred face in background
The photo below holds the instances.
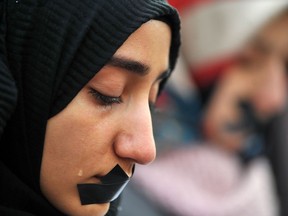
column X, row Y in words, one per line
column 258, row 78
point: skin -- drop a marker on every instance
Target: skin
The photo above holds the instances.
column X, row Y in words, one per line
column 259, row 77
column 90, row 136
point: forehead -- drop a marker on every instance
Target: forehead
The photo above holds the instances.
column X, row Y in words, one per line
column 276, row 31
column 149, row 44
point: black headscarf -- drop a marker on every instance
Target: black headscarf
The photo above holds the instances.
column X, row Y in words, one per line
column 49, row 49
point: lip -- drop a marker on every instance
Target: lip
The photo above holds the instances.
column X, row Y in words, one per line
column 96, row 179
column 110, row 187
column 129, row 172
column 98, row 176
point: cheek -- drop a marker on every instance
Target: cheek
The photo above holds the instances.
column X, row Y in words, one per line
column 223, row 107
column 76, row 142
column 78, row 145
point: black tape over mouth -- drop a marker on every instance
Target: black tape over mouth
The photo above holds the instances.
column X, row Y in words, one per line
column 108, row 190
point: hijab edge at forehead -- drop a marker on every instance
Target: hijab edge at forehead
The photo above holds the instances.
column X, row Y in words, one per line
column 73, row 81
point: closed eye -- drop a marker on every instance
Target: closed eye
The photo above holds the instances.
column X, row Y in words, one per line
column 104, row 100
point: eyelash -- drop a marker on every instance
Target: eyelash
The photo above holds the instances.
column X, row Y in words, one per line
column 109, row 101
column 104, row 99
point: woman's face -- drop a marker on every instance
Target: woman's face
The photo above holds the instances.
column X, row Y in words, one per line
column 259, row 79
column 108, row 122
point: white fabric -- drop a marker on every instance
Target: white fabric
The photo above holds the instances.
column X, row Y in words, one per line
column 204, row 181
column 220, row 27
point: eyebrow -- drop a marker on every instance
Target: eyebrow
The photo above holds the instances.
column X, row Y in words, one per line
column 129, row 65
column 133, row 66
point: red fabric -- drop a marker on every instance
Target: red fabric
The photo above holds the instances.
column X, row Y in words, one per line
column 181, row 4
column 207, row 74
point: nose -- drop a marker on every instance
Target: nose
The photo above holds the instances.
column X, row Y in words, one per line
column 135, row 141
column 270, row 96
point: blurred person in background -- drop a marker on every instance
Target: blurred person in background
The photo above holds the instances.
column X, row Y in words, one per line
column 236, row 53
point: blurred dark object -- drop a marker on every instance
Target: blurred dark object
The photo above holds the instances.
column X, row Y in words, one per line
column 254, row 143
column 277, row 146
